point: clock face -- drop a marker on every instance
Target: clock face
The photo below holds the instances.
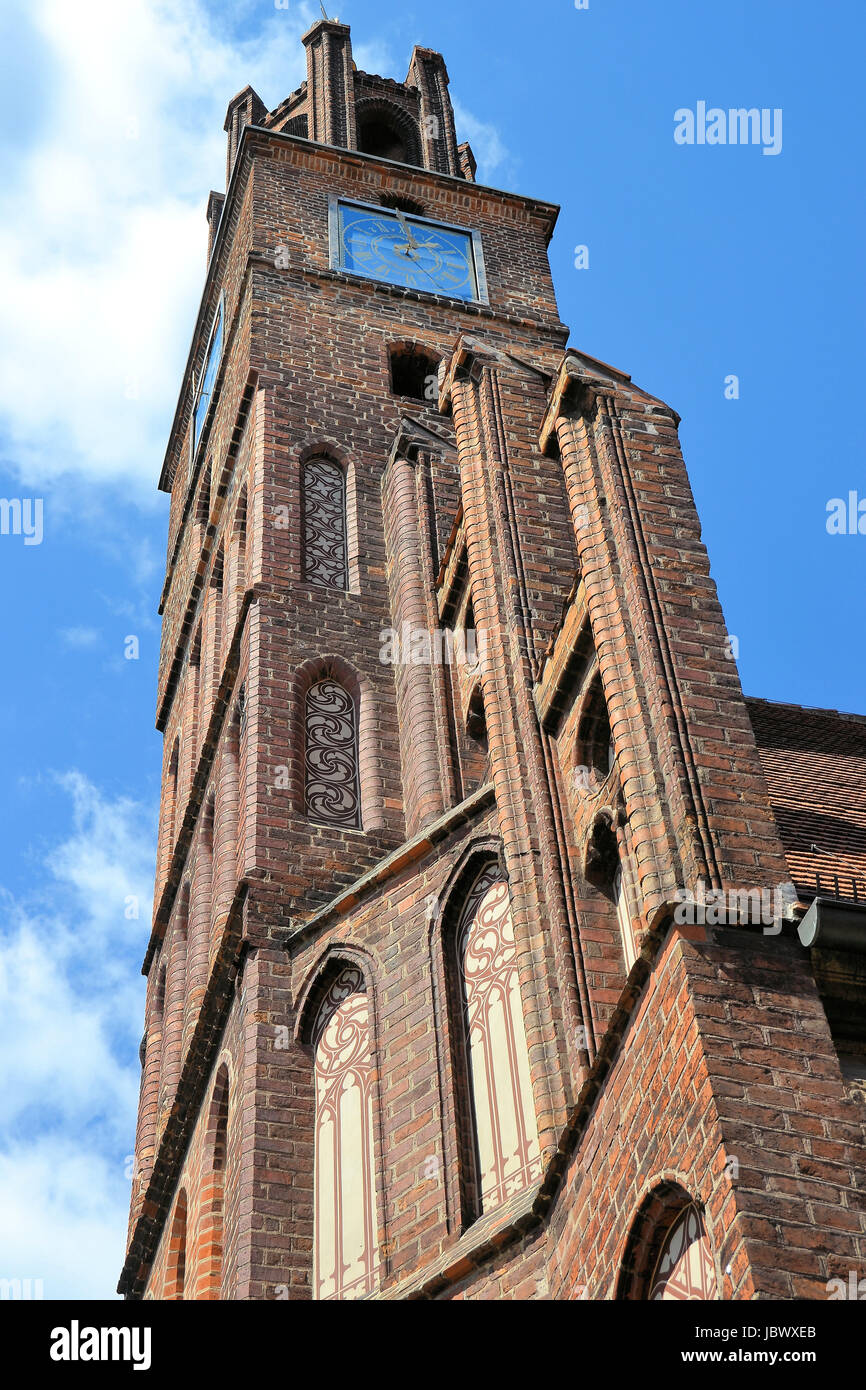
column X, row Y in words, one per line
column 407, row 251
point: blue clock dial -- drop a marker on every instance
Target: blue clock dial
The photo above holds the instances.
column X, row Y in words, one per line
column 407, row 251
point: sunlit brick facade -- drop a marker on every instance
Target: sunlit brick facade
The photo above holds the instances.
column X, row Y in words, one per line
column 451, row 730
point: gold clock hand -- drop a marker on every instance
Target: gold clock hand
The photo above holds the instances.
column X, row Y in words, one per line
column 405, row 226
column 412, row 245
column 428, row 273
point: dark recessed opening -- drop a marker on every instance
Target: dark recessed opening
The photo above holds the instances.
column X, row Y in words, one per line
column 602, row 857
column 595, row 746
column 414, row 374
column 476, row 719
column 379, row 138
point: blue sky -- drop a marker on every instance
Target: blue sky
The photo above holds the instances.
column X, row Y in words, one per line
column 704, row 262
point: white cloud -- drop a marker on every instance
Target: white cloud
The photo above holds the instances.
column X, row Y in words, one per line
column 495, row 165
column 63, row 1211
column 103, row 241
column 375, row 56
column 79, row 637
column 71, row 1009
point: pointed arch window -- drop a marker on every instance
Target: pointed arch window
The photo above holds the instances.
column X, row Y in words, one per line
column 685, row 1270
column 595, row 754
column 506, row 1138
column 325, row 541
column 345, row 1227
column 332, row 788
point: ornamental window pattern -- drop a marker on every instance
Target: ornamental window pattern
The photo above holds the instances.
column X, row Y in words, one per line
column 685, row 1269
column 325, row 544
column 506, row 1137
column 332, row 788
column 345, row 1228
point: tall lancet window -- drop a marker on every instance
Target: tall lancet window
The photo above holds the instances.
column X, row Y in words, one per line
column 345, row 1225
column 325, row 545
column 506, row 1137
column 332, row 787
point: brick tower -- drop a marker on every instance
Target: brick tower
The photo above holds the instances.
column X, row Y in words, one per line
column 475, row 967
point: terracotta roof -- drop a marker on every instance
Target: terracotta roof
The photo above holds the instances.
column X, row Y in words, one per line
column 815, row 764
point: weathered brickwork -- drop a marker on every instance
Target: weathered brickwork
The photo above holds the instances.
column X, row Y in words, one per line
column 595, row 749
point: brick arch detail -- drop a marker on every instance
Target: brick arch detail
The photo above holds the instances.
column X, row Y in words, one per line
column 229, row 774
column 603, row 826
column 174, row 998
column 665, row 1197
column 475, row 856
column 172, row 786
column 412, row 345
column 317, row 980
column 592, row 700
column 401, row 348
column 405, row 125
column 223, row 1085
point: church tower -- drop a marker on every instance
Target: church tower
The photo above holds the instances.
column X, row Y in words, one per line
column 455, row 756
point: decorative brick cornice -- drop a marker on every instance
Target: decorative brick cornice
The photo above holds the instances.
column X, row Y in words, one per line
column 413, row 435
column 411, row 852
column 577, row 385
